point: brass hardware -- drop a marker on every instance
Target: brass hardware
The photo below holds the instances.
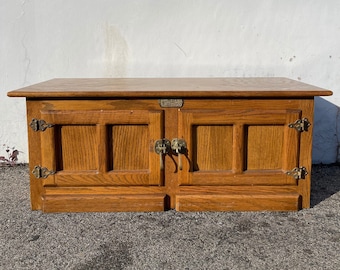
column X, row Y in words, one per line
column 39, row 125
column 41, row 172
column 162, row 147
column 171, row 103
column 300, row 125
column 179, row 147
column 298, row 173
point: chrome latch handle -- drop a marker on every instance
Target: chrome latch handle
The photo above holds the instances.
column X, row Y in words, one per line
column 179, row 147
column 162, row 147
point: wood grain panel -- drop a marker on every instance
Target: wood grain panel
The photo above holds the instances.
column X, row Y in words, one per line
column 86, row 117
column 104, row 203
column 130, row 147
column 305, row 153
column 152, row 104
column 103, row 148
column 79, row 147
column 291, row 144
column 237, row 189
column 249, row 116
column 165, row 87
column 104, row 190
column 238, row 202
column 88, row 178
column 264, row 147
column 34, row 147
column 238, row 148
column 212, row 147
column 50, row 153
column 253, row 178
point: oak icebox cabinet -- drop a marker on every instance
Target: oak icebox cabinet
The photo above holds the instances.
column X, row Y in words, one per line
column 190, row 144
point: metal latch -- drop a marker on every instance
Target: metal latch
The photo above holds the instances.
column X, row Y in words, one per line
column 41, row 172
column 298, row 173
column 39, row 125
column 179, row 147
column 162, row 147
column 300, row 125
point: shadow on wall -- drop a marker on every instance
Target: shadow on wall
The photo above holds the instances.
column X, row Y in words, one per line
column 325, row 182
column 326, row 132
column 326, row 139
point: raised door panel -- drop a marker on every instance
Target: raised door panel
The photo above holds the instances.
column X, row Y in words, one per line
column 239, row 147
column 77, row 147
column 100, row 148
column 215, row 151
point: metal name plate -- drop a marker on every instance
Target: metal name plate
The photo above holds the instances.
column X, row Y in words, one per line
column 171, row 103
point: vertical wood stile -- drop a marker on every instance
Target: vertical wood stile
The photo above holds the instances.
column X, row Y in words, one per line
column 238, row 148
column 305, row 155
column 34, row 145
column 185, row 125
column 156, row 127
column 48, row 153
column 291, row 142
column 103, row 146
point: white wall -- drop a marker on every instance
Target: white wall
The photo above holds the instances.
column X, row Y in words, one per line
column 298, row 39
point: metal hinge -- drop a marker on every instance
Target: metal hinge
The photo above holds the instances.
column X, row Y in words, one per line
column 39, row 125
column 298, row 173
column 300, row 125
column 41, row 172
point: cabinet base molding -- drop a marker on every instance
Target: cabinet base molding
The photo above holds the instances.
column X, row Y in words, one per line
column 103, row 203
column 239, row 202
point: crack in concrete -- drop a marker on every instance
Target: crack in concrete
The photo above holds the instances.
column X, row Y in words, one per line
column 180, row 49
column 23, row 3
column 27, row 60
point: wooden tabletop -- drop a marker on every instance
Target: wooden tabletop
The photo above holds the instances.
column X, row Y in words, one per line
column 169, row 87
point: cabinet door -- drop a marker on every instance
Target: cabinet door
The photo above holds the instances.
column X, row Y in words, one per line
column 239, row 147
column 102, row 147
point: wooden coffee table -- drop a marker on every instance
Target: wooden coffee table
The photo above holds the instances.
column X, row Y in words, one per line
column 192, row 144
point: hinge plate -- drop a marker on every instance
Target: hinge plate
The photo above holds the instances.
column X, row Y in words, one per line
column 39, row 125
column 300, row 125
column 41, row 172
column 298, row 173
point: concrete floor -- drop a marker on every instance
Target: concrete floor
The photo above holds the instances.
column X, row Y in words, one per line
column 308, row 239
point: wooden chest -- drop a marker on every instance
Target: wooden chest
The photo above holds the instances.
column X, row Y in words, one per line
column 198, row 144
